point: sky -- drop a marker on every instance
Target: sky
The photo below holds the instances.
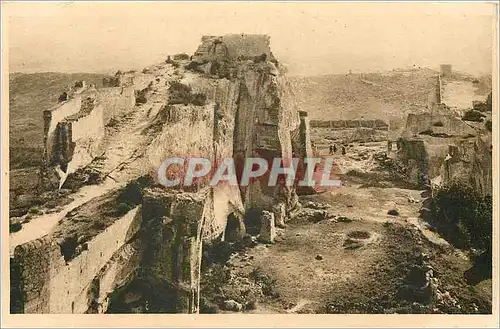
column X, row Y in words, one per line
column 310, row 38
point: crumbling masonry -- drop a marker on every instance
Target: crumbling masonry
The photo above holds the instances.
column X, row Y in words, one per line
column 238, row 104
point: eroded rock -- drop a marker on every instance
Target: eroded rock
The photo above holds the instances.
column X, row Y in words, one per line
column 267, row 229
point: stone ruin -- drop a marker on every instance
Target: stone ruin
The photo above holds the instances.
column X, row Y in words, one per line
column 134, row 229
column 438, row 147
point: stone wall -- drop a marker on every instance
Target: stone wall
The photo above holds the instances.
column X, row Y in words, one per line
column 84, row 134
column 75, row 129
column 469, row 162
column 173, row 251
column 55, row 115
column 232, row 47
column 343, row 124
column 47, row 283
column 116, row 100
column 251, row 112
column 441, row 149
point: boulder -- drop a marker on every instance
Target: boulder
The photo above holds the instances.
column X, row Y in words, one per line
column 232, row 305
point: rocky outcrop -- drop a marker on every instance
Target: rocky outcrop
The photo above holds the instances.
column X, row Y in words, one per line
column 230, row 100
column 440, row 149
column 76, row 266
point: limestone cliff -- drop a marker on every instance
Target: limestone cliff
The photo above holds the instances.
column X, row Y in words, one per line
column 439, row 149
column 231, row 99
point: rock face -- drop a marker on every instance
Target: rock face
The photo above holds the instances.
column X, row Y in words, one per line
column 437, row 148
column 231, row 99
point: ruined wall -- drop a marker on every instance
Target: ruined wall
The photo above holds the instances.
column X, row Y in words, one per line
column 343, row 124
column 210, row 136
column 267, row 115
column 31, row 275
column 74, row 130
column 48, row 284
column 172, row 253
column 232, row 47
column 413, row 159
column 249, row 112
column 85, row 133
column 172, row 142
column 444, row 149
column 302, row 138
column 55, row 115
column 438, row 125
column 116, row 100
column 469, row 162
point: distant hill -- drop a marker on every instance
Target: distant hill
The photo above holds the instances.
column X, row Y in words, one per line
column 387, row 96
column 29, row 95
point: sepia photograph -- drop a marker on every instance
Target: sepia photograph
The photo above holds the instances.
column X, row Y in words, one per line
column 250, row 158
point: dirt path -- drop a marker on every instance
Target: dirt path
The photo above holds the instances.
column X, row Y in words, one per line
column 119, row 146
column 42, row 225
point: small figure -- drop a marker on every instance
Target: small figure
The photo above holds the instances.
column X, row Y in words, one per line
column 331, row 149
column 343, row 150
column 334, row 148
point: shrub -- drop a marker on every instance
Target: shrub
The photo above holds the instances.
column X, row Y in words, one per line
column 181, row 57
column 483, row 106
column 122, row 209
column 193, row 66
column 267, row 283
column 464, row 216
column 140, row 96
column 438, row 124
column 63, row 97
column 473, row 115
column 179, row 93
column 15, row 227
column 34, row 211
column 393, row 212
column 199, row 99
column 488, row 125
column 131, row 194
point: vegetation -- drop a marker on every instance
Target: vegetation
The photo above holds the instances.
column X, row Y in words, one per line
column 14, row 227
column 182, row 94
column 29, row 95
column 464, row 217
column 473, row 115
column 267, row 283
column 393, row 212
column 484, row 106
column 488, row 125
column 140, row 96
column 181, row 57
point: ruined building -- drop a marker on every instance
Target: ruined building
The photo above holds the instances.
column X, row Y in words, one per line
column 231, row 99
column 439, row 147
column 445, row 70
